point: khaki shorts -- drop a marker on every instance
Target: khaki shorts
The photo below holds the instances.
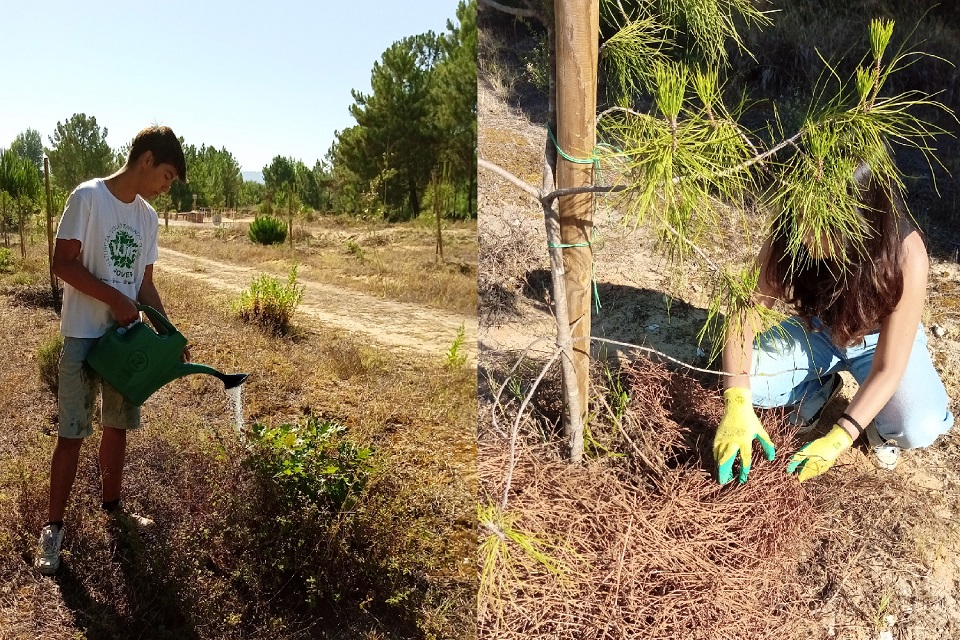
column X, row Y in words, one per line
column 77, row 396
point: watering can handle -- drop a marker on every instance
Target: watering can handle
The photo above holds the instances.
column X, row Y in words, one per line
column 157, row 318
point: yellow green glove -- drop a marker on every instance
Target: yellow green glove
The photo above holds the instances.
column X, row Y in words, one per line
column 816, row 457
column 738, row 427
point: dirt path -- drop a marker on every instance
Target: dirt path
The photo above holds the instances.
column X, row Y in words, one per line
column 392, row 325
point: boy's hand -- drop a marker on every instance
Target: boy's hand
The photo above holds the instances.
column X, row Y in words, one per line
column 124, row 310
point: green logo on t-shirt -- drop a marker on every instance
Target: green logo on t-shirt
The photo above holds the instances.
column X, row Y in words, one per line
column 121, row 250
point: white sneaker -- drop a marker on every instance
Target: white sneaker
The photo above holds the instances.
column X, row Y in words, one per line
column 48, row 553
column 886, row 453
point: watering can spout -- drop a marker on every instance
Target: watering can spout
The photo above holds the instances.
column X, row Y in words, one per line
column 230, row 380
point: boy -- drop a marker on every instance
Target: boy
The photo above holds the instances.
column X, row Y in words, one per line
column 105, row 249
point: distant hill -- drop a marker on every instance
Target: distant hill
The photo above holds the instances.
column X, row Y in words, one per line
column 252, row 176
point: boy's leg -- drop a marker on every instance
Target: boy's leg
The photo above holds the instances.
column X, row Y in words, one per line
column 63, row 471
column 76, row 396
column 118, row 416
column 113, row 448
column 792, row 367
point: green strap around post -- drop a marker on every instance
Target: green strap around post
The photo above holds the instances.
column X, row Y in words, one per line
column 593, row 270
column 595, row 161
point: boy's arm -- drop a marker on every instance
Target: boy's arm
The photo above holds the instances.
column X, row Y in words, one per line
column 148, row 293
column 149, row 296
column 67, row 267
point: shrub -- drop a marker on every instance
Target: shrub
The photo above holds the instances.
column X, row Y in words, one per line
column 310, row 462
column 267, row 230
column 6, row 260
column 455, row 358
column 48, row 361
column 270, row 303
column 355, row 250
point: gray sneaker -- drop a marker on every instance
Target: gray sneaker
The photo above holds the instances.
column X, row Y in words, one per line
column 131, row 522
column 886, row 453
column 48, row 552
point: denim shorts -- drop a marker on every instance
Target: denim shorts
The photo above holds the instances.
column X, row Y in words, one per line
column 78, row 391
column 793, row 367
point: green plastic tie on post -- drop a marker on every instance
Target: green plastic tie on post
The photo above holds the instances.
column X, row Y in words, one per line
column 593, row 269
column 595, row 161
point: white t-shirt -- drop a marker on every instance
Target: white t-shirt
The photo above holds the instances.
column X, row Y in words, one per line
column 118, row 241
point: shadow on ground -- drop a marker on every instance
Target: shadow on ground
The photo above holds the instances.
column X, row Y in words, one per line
column 153, row 597
column 637, row 316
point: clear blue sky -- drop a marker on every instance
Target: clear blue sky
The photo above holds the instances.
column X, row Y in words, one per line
column 261, row 79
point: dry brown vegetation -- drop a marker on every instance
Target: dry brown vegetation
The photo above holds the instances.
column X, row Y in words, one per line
column 228, row 559
column 395, row 261
column 642, row 542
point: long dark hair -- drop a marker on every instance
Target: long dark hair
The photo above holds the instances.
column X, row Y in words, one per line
column 850, row 296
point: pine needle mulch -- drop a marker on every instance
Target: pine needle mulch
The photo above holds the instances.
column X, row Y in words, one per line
column 644, row 543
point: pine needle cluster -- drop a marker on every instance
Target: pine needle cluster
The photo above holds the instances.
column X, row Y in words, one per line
column 686, row 164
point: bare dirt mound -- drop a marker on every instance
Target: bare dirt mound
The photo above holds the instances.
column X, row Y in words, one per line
column 393, row 325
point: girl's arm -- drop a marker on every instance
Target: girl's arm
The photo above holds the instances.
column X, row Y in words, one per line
column 897, row 334
column 738, row 343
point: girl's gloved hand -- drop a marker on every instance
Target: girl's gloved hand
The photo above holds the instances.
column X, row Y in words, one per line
column 738, row 427
column 816, row 457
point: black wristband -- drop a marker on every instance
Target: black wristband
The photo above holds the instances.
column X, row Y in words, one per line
column 853, row 422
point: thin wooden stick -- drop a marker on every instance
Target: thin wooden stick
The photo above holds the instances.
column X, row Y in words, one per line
column 506, row 175
column 512, row 461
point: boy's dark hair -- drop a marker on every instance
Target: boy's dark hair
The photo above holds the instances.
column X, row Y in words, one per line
column 164, row 145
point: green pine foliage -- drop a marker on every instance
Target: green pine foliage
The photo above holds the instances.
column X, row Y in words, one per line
column 267, row 229
column 686, row 164
column 420, row 113
column 79, row 151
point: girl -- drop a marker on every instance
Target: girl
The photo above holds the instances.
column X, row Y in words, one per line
column 858, row 303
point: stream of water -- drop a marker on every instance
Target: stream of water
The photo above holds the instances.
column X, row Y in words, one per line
column 234, row 395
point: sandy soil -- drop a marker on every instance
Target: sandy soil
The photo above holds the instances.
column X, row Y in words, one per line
column 392, row 325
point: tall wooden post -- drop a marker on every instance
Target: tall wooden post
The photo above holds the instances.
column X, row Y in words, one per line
column 577, row 33
column 54, row 288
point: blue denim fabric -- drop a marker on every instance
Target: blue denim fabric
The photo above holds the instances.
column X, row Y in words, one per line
column 792, row 367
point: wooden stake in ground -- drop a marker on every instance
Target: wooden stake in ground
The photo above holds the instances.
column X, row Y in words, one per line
column 439, row 203
column 577, row 29
column 54, row 289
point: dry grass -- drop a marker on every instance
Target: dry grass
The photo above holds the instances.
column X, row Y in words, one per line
column 655, row 548
column 397, row 262
column 227, row 561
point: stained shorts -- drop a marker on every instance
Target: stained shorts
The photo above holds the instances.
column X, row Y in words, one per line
column 78, row 390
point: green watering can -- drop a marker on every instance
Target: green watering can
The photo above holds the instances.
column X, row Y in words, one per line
column 136, row 361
